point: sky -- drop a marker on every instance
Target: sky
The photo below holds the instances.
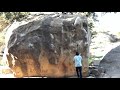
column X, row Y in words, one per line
column 109, row 21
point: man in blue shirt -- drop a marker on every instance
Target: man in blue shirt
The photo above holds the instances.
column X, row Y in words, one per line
column 78, row 64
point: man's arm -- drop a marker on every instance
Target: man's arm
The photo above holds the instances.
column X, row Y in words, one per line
column 74, row 59
column 81, row 58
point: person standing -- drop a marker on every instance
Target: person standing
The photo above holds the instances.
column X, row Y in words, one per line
column 78, row 64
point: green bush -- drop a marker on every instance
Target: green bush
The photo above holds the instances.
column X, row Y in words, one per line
column 91, row 59
column 11, row 16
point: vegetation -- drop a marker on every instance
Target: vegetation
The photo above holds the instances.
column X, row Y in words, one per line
column 18, row 16
column 11, row 16
column 7, row 17
column 91, row 59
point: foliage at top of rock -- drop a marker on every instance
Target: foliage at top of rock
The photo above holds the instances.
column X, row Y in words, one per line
column 3, row 23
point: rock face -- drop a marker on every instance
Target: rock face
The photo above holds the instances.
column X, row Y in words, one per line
column 111, row 63
column 46, row 46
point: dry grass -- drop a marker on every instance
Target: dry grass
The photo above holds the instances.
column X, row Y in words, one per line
column 2, row 44
column 2, row 38
column 3, row 23
column 2, row 41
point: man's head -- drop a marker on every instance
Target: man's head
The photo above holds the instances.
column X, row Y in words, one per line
column 77, row 53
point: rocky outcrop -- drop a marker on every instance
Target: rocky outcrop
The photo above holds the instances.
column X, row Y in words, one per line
column 111, row 63
column 46, row 46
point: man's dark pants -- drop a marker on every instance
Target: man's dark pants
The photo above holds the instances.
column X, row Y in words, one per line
column 79, row 71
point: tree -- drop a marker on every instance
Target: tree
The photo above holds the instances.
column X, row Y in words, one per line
column 11, row 16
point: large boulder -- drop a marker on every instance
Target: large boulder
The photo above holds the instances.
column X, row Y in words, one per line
column 111, row 63
column 45, row 46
